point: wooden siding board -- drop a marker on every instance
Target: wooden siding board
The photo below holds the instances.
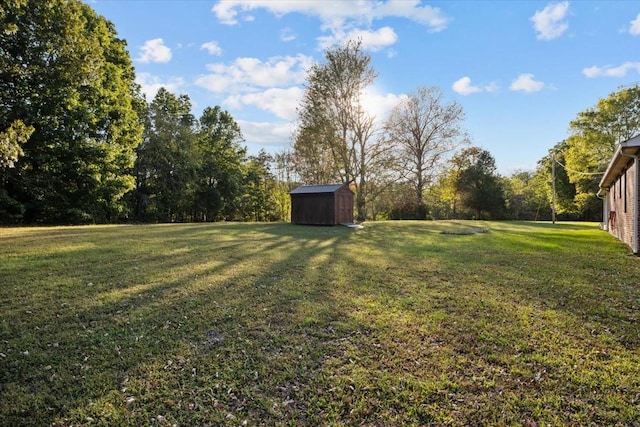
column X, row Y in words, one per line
column 322, row 205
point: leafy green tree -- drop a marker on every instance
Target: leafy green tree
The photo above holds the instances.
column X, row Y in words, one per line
column 189, row 170
column 524, row 198
column 595, row 134
column 221, row 169
column 64, row 73
column 11, row 140
column 167, row 160
column 258, row 199
column 445, row 195
column 565, row 190
column 478, row 183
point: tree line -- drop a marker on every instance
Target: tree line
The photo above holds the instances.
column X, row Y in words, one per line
column 80, row 144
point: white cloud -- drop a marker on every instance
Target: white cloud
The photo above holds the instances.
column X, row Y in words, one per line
column 212, row 47
column 337, row 13
column 273, row 134
column 609, row 71
column 491, row 87
column 550, row 22
column 427, row 15
column 280, row 102
column 526, row 83
column 341, row 20
column 634, row 30
column 287, row 35
column 150, row 84
column 379, row 104
column 371, row 40
column 464, row 87
column 154, row 51
column 247, row 73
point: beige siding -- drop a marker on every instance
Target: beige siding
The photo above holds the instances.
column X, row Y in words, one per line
column 621, row 206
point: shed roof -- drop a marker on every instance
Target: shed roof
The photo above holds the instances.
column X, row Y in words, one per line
column 619, row 161
column 316, row 189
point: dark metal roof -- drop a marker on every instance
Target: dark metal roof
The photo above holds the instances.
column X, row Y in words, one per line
column 315, row 189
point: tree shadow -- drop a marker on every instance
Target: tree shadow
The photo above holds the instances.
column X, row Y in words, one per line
column 126, row 311
column 282, row 324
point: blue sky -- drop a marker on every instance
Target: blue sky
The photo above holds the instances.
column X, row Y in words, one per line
column 522, row 70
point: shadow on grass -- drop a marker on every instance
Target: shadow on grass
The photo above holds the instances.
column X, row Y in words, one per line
column 529, row 318
column 275, row 324
column 121, row 329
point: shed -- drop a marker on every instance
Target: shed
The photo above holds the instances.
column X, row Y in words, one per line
column 619, row 193
column 330, row 204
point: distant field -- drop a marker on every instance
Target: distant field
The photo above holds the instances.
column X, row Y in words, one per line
column 394, row 324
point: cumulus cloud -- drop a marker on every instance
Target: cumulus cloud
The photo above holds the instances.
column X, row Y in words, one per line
column 371, row 40
column 609, row 71
column 273, row 134
column 427, row 15
column 150, row 84
column 154, row 51
column 280, row 102
column 227, row 11
column 550, row 22
column 212, row 47
column 343, row 18
column 464, row 87
column 378, row 103
column 526, row 83
column 634, row 29
column 247, row 73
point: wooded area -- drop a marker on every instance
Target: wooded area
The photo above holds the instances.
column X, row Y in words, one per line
column 80, row 144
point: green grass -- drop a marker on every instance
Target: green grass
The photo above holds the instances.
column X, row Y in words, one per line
column 274, row 324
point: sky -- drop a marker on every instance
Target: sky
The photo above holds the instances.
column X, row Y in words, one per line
column 521, row 70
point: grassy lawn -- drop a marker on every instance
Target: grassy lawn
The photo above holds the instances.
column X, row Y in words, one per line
column 274, row 324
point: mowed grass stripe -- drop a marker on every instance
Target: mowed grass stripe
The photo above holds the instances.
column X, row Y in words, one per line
column 398, row 323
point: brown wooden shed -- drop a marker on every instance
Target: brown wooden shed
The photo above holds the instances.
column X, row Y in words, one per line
column 330, row 204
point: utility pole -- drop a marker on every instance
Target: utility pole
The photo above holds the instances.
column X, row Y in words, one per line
column 553, row 188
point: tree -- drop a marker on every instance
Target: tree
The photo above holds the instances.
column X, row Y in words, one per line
column 283, row 163
column 334, row 132
column 263, row 199
column 10, row 141
column 166, row 164
column 66, row 75
column 426, row 130
column 524, row 198
column 478, row 183
column 565, row 189
column 595, row 134
column 189, row 170
column 220, row 173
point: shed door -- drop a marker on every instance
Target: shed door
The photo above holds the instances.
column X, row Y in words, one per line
column 344, row 205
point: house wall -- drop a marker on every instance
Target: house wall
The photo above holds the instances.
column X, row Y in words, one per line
column 621, row 206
